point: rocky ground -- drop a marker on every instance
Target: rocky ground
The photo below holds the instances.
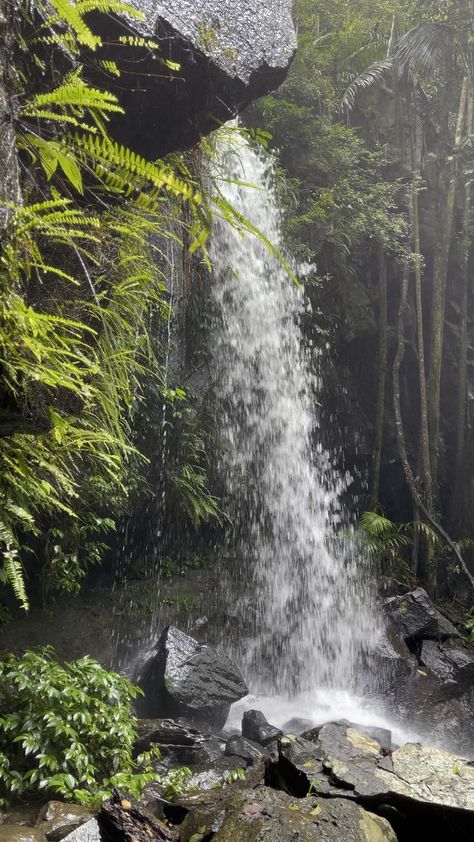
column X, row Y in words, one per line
column 338, row 782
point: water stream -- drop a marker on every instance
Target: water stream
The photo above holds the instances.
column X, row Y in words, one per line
column 306, row 612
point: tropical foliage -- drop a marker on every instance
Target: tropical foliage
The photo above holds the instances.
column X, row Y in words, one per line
column 66, row 730
column 83, row 300
column 373, row 129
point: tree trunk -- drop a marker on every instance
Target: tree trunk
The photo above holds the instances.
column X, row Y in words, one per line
column 10, row 194
column 381, row 376
column 401, row 442
column 440, row 273
column 461, row 402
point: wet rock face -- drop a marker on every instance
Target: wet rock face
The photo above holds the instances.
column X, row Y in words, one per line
column 416, row 618
column 425, row 671
column 187, row 678
column 266, row 814
column 179, row 744
column 229, row 54
column 420, row 788
column 56, row 820
column 255, row 727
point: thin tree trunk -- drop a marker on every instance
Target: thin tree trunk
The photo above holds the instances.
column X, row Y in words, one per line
column 440, row 273
column 461, row 402
column 10, row 193
column 401, row 443
column 381, row 376
column 424, row 434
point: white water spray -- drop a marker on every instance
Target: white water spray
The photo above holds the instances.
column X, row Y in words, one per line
column 309, row 616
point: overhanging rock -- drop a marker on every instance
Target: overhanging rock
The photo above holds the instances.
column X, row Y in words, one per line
column 229, row 54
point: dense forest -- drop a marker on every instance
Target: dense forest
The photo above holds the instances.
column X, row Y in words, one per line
column 109, row 445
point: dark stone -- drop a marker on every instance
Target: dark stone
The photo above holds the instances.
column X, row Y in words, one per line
column 165, row 732
column 178, row 742
column 300, row 765
column 255, row 727
column 392, row 664
column 229, row 54
column 452, row 664
column 187, row 678
column 246, row 749
column 416, row 618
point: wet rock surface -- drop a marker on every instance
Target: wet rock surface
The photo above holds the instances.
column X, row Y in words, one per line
column 415, row 617
column 179, row 743
column 425, row 671
column 187, row 678
column 255, row 727
column 248, row 750
column 266, row 814
column 15, row 833
column 418, row 786
column 228, row 54
column 57, row 819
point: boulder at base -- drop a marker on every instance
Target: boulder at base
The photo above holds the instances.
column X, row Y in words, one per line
column 266, row 815
column 190, row 679
column 415, row 617
column 420, row 788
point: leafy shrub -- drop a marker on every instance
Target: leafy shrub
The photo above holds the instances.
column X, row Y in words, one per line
column 67, row 730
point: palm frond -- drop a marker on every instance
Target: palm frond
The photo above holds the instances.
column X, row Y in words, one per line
column 376, row 73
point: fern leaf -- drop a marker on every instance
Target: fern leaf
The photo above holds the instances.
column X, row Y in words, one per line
column 69, row 13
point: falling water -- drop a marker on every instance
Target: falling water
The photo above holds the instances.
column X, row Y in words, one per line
column 305, row 600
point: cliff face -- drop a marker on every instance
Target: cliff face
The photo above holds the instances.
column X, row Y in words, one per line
column 228, row 52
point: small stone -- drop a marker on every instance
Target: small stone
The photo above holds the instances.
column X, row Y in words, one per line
column 256, row 727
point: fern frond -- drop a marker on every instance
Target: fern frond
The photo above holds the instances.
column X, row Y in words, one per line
column 12, row 572
column 130, row 171
column 76, row 94
column 137, row 41
column 72, row 17
column 108, row 7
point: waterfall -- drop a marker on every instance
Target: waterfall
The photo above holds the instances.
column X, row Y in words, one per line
column 304, row 597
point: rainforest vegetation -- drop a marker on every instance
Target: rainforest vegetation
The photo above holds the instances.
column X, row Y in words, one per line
column 373, row 134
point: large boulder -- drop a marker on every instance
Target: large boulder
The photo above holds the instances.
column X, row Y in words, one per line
column 190, row 679
column 228, row 54
column 415, row 617
column 419, row 787
column 266, row 815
